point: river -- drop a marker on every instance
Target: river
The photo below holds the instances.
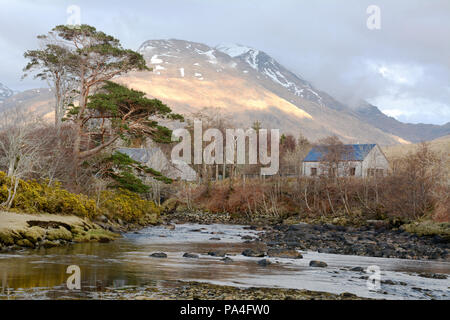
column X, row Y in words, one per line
column 125, row 263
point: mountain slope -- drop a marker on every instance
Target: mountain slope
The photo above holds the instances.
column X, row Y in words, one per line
column 409, row 131
column 37, row 102
column 248, row 86
column 5, row 92
column 271, row 69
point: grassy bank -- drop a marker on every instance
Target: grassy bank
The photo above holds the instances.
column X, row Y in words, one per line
column 48, row 230
column 48, row 215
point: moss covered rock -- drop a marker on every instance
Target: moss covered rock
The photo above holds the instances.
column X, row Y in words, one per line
column 7, row 237
column 33, row 234
column 429, row 228
column 99, row 235
column 25, row 243
column 60, row 233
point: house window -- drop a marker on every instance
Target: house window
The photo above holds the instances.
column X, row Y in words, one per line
column 352, row 171
column 379, row 172
column 314, row 171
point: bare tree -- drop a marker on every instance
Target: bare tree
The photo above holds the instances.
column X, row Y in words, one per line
column 19, row 149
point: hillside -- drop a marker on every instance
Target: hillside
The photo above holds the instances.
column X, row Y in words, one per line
column 249, row 85
column 408, row 131
column 38, row 102
column 5, row 92
column 441, row 146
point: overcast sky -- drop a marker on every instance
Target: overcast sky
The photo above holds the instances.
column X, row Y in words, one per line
column 403, row 68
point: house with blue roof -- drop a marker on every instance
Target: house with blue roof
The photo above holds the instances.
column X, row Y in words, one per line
column 359, row 160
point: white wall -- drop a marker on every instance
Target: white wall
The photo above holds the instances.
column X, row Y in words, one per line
column 375, row 160
column 343, row 168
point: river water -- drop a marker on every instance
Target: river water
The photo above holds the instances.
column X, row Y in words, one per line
column 125, row 263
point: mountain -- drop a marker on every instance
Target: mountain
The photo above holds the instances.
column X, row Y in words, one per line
column 5, row 92
column 270, row 68
column 38, row 102
column 248, row 85
column 408, row 131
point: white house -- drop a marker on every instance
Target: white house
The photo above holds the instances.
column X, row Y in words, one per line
column 360, row 160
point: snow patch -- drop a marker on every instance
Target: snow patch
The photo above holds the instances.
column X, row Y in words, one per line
column 232, row 49
column 155, row 60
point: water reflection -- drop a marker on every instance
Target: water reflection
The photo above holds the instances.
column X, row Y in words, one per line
column 126, row 263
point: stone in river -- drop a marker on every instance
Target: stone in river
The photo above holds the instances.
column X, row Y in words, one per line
column 190, row 255
column 217, row 253
column 158, row 255
column 358, row 269
column 253, row 253
column 433, row 275
column 284, row 253
column 316, row 263
column 264, row 262
column 227, row 259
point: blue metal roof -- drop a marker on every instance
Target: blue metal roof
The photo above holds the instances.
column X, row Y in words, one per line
column 356, row 152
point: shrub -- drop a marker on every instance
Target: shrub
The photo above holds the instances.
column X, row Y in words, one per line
column 128, row 206
column 35, row 197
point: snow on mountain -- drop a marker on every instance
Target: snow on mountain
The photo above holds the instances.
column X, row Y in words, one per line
column 5, row 92
column 246, row 84
column 233, row 50
column 270, row 68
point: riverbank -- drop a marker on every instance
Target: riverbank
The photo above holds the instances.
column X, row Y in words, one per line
column 157, row 262
column 20, row 230
column 425, row 241
column 376, row 239
column 179, row 290
column 364, row 241
column 183, row 290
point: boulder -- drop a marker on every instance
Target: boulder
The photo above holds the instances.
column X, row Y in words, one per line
column 264, row 262
column 284, row 253
column 227, row 259
column 217, row 253
column 158, row 255
column 253, row 253
column 318, row 264
column 357, row 269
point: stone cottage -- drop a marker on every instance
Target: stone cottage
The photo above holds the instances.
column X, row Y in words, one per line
column 359, row 160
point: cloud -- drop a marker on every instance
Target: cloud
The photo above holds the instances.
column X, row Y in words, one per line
column 326, row 42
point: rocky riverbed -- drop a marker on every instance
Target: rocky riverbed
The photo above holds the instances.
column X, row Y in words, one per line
column 212, row 261
column 363, row 241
